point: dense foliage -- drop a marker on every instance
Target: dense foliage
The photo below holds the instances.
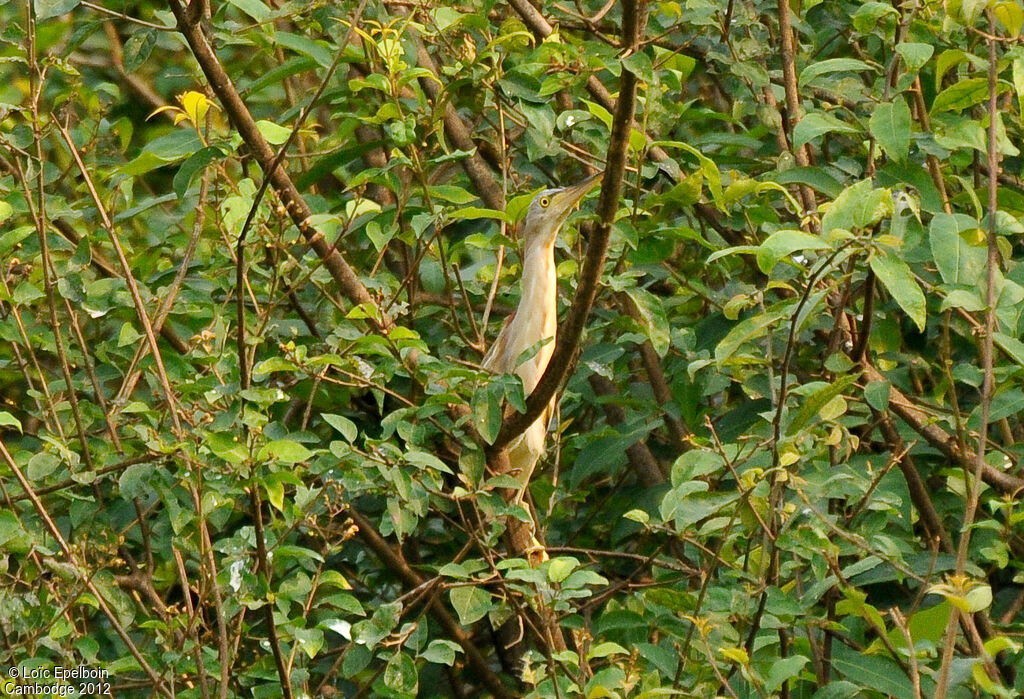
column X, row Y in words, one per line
column 786, row 460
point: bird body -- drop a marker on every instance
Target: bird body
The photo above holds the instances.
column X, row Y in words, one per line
column 535, row 319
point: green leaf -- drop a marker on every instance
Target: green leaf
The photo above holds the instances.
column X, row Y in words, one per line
column 784, row 669
column 138, row 48
column 443, row 18
column 486, row 408
column 785, row 242
column 473, row 213
column 254, row 8
column 286, row 450
column 1011, row 16
column 915, row 55
column 814, row 177
column 839, row 689
column 311, row 641
column 42, row 465
column 560, row 568
column 133, row 481
column 897, row 278
column 128, row 336
column 859, row 206
column 964, row 94
column 275, row 491
column 8, row 420
column 12, row 237
column 961, row 298
column 346, row 427
column 423, row 460
column 45, row 9
column 470, row 603
column 27, row 292
column 880, row 674
column 603, row 650
column 867, row 16
column 1012, row 346
column 639, row 64
column 223, row 445
column 441, row 651
column 452, row 193
column 708, row 168
column 600, row 112
column 306, row 47
column 818, row 400
column 653, row 318
column 832, row 65
column 743, row 332
column 959, row 261
column 876, row 394
column 401, row 675
column 890, row 125
column 10, row 527
column 275, row 134
column 927, row 624
column 194, row 165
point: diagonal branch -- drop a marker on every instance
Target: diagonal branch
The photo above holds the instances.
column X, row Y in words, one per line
column 477, row 170
column 397, row 564
column 298, row 210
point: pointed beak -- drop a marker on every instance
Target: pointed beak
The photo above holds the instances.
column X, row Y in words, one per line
column 570, row 196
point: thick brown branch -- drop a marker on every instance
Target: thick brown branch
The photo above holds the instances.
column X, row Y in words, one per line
column 922, row 423
column 298, row 210
column 919, row 494
column 486, row 186
column 641, row 460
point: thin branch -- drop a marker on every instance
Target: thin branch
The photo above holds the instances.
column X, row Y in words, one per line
column 80, row 569
column 133, row 287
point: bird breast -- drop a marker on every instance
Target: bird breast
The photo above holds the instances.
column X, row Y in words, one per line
column 535, row 319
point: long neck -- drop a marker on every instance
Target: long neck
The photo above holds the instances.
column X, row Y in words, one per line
column 536, row 317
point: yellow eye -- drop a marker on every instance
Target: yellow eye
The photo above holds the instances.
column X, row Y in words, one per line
column 544, row 201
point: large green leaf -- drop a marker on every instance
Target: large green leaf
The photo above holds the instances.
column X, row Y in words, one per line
column 745, row 331
column 785, row 242
column 964, row 94
column 470, row 603
column 45, row 9
column 832, row 65
column 818, row 400
column 959, row 261
column 818, row 124
column 890, row 125
column 652, row 317
column 872, row 672
column 858, row 206
column 899, row 281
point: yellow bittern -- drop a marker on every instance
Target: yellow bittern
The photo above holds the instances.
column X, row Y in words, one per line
column 535, row 318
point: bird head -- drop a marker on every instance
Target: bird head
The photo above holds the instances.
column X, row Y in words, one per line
column 551, row 207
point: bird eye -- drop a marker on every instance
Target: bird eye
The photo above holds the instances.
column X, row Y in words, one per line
column 544, row 201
